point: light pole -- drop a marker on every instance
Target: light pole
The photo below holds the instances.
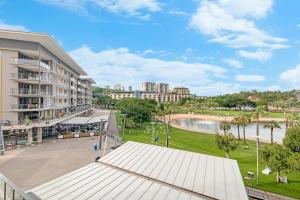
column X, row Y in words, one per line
column 100, row 135
column 257, row 155
column 152, row 123
column 123, row 125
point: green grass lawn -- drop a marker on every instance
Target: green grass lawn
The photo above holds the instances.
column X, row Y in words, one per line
column 204, row 143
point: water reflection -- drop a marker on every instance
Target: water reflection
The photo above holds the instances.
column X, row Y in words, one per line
column 213, row 126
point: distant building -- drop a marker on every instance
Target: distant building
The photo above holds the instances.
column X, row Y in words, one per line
column 118, row 87
column 158, row 97
column 253, row 98
column 148, row 87
column 130, row 88
column 107, row 87
column 297, row 95
column 181, row 90
column 162, row 88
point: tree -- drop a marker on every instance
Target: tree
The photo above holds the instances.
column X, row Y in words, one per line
column 276, row 105
column 292, row 139
column 225, row 126
column 294, row 162
column 237, row 121
column 27, row 120
column 275, row 156
column 245, row 120
column 226, row 142
column 258, row 113
column 271, row 125
column 139, row 110
column 290, row 119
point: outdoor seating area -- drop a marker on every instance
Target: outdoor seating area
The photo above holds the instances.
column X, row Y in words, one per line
column 78, row 127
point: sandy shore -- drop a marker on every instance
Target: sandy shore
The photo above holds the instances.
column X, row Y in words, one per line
column 217, row 118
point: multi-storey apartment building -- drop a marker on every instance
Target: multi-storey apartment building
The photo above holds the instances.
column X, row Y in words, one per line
column 181, row 90
column 162, row 88
column 158, row 92
column 148, row 87
column 158, row 97
column 39, row 79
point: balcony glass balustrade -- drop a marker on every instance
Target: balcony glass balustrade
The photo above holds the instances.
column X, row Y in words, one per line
column 31, row 77
column 31, row 106
column 30, row 92
column 30, row 62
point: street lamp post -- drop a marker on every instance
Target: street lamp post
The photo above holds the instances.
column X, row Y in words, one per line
column 123, row 125
column 257, row 155
column 100, row 135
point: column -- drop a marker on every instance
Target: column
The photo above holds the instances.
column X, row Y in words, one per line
column 29, row 136
column 39, row 135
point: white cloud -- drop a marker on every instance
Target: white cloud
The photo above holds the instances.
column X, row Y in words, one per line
column 178, row 12
column 6, row 26
column 217, row 88
column 233, row 62
column 128, row 7
column 231, row 22
column 291, row 76
column 121, row 66
column 259, row 55
column 249, row 78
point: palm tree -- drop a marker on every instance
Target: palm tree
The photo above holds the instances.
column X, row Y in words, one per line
column 271, row 125
column 258, row 113
column 290, row 119
column 238, row 123
column 225, row 126
column 245, row 120
column 276, row 105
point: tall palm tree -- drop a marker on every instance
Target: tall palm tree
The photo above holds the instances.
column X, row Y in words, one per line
column 271, row 125
column 290, row 119
column 237, row 121
column 245, row 120
column 225, row 126
column 258, row 113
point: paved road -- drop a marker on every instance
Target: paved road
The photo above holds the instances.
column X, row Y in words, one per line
column 33, row 165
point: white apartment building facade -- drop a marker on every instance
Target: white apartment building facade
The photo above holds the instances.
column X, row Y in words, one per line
column 39, row 79
column 158, row 97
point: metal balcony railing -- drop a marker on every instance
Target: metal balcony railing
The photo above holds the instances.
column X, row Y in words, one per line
column 30, row 92
column 30, row 62
column 31, row 77
column 31, row 106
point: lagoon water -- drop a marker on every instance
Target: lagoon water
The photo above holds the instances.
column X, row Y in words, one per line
column 213, row 127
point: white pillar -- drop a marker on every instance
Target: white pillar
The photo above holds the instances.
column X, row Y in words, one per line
column 39, row 135
column 29, row 136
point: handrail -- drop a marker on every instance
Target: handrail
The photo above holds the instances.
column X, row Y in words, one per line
column 23, row 61
column 16, row 191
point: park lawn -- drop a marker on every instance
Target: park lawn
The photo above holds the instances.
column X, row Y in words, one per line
column 205, row 143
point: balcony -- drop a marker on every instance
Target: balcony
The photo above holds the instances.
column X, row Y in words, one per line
column 31, row 107
column 30, row 64
column 24, row 92
column 31, row 78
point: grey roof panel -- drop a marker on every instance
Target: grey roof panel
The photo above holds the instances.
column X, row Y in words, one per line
column 142, row 171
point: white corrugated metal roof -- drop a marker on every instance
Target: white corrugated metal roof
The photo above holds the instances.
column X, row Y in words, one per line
column 86, row 120
column 142, row 171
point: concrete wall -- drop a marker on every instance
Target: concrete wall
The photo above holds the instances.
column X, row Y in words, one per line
column 7, row 84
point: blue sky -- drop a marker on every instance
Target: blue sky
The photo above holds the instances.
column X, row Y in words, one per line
column 212, row 46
